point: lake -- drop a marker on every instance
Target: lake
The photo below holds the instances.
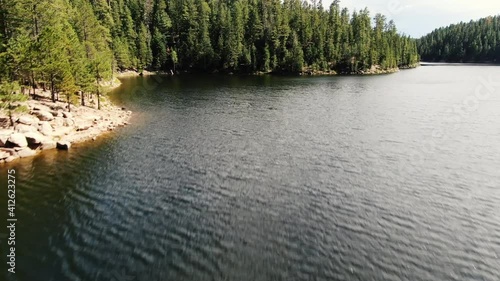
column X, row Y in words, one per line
column 391, row 177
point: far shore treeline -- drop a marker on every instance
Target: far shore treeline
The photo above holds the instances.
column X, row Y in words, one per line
column 70, row 45
column 474, row 41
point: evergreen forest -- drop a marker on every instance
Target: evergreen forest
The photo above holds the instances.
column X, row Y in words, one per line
column 72, row 45
column 475, row 41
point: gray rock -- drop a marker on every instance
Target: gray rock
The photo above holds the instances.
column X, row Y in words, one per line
column 67, row 115
column 4, row 155
column 49, row 144
column 63, row 145
column 44, row 115
column 34, row 138
column 56, row 113
column 24, row 153
column 11, row 158
column 45, row 129
column 18, row 140
column 21, row 128
column 4, row 136
column 59, row 122
column 69, row 122
column 4, row 122
column 62, row 131
column 58, row 107
column 40, row 107
column 28, row 120
column 10, row 151
column 83, row 126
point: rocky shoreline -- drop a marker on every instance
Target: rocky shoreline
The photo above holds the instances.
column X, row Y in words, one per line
column 50, row 125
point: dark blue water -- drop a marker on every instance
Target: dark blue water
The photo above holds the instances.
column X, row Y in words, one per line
column 393, row 177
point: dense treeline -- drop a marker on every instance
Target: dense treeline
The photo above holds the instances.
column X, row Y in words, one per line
column 476, row 41
column 69, row 45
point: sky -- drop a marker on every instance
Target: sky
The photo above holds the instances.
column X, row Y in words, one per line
column 419, row 17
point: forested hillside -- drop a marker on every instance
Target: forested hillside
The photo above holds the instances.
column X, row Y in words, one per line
column 72, row 44
column 476, row 41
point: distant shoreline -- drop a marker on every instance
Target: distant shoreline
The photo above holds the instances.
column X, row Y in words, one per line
column 374, row 70
column 459, row 64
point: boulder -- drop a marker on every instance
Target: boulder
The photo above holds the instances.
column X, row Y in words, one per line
column 48, row 144
column 60, row 132
column 67, row 115
column 56, row 113
column 4, row 122
column 26, row 152
column 4, row 136
column 34, row 138
column 83, row 126
column 4, row 155
column 58, row 122
column 11, row 158
column 45, row 128
column 11, row 151
column 21, row 128
column 28, row 120
column 43, row 115
column 63, row 145
column 41, row 107
column 57, row 107
column 17, row 140
column 69, row 122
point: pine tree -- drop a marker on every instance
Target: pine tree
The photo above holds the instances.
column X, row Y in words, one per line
column 9, row 98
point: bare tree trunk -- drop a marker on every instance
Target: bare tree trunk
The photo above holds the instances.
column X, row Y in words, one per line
column 98, row 100
column 83, row 98
column 52, row 90
column 10, row 115
column 33, row 83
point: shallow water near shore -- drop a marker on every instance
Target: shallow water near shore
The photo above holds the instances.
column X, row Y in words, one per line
column 392, row 177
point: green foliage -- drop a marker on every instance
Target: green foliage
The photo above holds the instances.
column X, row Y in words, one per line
column 73, row 45
column 10, row 98
column 475, row 41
